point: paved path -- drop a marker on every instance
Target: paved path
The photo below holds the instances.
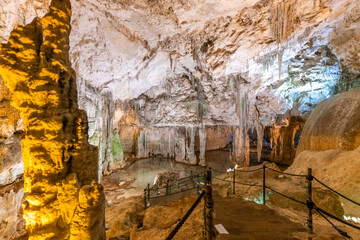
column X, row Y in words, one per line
column 250, row 221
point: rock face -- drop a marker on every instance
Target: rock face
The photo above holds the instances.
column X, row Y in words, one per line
column 11, row 166
column 284, row 140
column 241, row 64
column 202, row 64
column 63, row 199
column 12, row 222
column 334, row 124
column 330, row 145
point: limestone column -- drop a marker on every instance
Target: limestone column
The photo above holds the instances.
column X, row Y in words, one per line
column 202, row 138
column 63, row 199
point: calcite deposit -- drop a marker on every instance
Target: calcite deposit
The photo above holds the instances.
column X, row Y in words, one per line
column 193, row 65
column 63, row 199
column 241, row 64
column 332, row 148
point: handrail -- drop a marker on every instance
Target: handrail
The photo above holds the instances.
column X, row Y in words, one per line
column 246, row 184
column 181, row 185
column 334, row 217
column 281, row 194
column 182, row 221
column 284, row 173
column 309, row 203
column 169, row 194
column 336, row 191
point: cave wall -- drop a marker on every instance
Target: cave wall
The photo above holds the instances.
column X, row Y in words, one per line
column 184, row 64
column 192, row 69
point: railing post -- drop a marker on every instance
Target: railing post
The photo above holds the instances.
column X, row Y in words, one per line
column 310, row 203
column 234, row 182
column 167, row 187
column 145, row 197
column 148, row 191
column 264, row 185
column 209, row 208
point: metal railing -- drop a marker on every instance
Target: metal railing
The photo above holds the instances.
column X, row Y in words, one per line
column 194, row 181
column 206, row 194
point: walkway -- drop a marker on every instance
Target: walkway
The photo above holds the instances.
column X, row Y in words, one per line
column 251, row 221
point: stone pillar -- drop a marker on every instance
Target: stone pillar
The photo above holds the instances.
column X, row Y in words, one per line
column 202, row 143
column 190, row 156
column 63, row 198
column 241, row 137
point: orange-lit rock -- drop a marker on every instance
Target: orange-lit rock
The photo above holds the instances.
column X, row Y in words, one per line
column 63, row 200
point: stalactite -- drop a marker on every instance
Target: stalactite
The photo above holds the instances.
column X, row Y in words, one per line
column 280, row 56
column 63, row 200
column 202, row 137
column 241, row 138
column 190, row 145
column 260, row 135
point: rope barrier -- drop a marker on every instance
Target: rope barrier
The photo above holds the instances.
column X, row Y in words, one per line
column 336, row 218
column 247, row 171
column 343, row 233
column 281, row 194
column 221, row 179
column 218, row 171
column 241, row 171
column 309, row 203
column 246, row 184
column 182, row 221
column 160, row 196
column 290, row 174
column 336, row 191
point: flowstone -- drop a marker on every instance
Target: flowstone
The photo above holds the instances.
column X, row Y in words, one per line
column 63, row 199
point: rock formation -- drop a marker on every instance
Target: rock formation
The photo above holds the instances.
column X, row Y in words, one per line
column 334, row 124
column 175, row 65
column 330, row 145
column 63, row 199
column 192, row 59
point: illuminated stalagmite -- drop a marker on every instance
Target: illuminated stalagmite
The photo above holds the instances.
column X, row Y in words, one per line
column 63, row 200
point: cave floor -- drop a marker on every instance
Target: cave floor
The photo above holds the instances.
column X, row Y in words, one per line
column 248, row 220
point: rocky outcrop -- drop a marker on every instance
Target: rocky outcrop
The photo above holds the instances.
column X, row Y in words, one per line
column 334, row 124
column 283, row 140
column 63, row 200
column 11, row 127
column 330, row 146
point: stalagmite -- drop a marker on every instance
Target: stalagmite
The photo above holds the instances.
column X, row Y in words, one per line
column 63, row 199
